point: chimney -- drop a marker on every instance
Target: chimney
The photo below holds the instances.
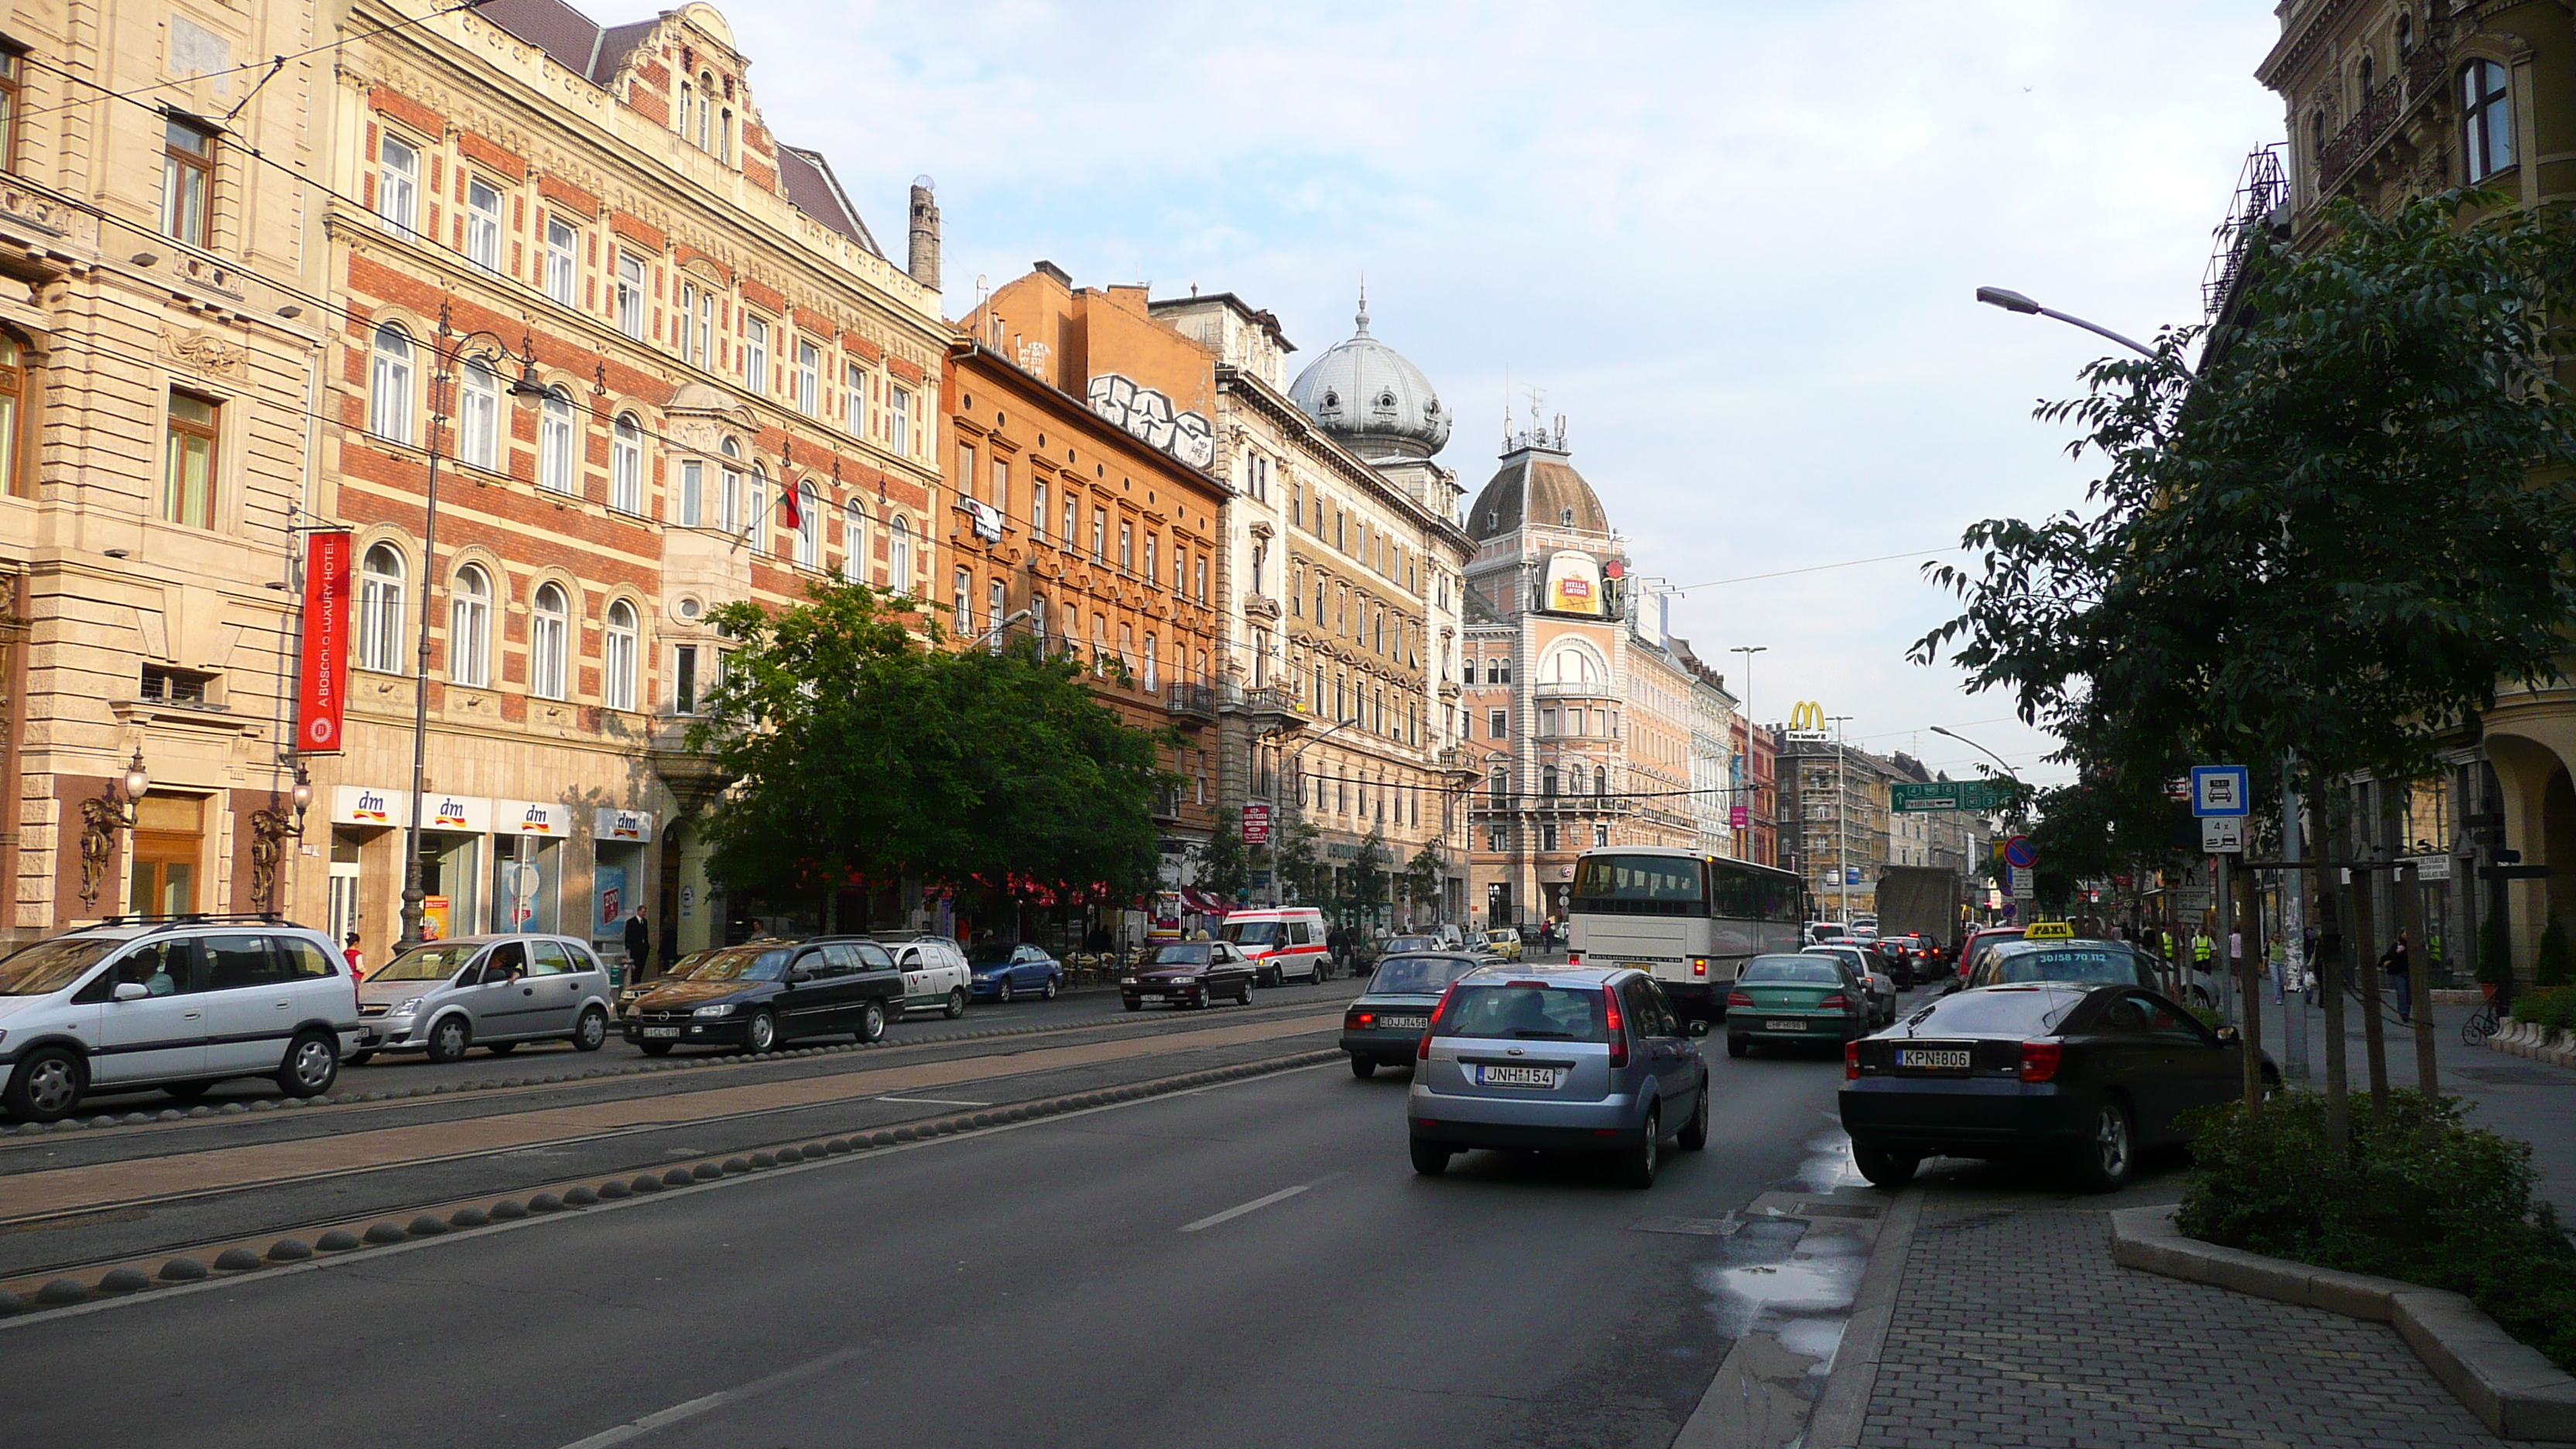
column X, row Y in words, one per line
column 923, row 262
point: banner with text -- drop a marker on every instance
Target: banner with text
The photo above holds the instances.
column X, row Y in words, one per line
column 321, row 710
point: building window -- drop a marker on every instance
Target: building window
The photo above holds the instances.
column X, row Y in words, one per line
column 1547, row 837
column 1126, row 547
column 626, row 465
column 1100, row 535
column 1498, row 786
column 1319, row 598
column 1600, row 780
column 188, row 472
column 1600, row 835
column 854, row 542
column 617, row 655
column 993, row 607
column 563, row 262
column 695, row 326
column 1038, row 623
column 1494, row 719
column 389, row 376
column 809, row 379
column 1152, row 674
column 959, row 583
column 12, row 76
column 706, row 109
column 899, row 557
column 899, row 420
column 688, row 113
column 693, row 494
column 755, row 354
column 854, row 400
column 483, row 224
column 469, row 628
column 187, row 182
column 380, row 610
column 755, row 525
column 965, row 471
column 398, row 184
column 809, row 525
column 549, row 627
column 14, row 411
column 2486, row 119
column 684, row 679
column 1150, row 576
column 1201, row 576
column 1297, row 504
column 724, row 137
column 478, row 417
column 1001, row 499
column 730, row 488
column 633, row 282
column 555, row 444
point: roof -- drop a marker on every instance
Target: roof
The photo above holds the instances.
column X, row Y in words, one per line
column 1537, row 488
column 1372, row 397
column 598, row 52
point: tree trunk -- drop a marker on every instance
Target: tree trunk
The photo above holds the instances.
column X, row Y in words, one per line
column 2329, row 971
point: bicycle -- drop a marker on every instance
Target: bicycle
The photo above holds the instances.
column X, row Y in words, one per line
column 2481, row 1024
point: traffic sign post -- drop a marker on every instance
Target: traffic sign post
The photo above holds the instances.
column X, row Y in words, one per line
column 2222, row 834
column 2219, row 790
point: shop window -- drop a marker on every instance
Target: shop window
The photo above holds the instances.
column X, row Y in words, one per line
column 188, row 468
column 168, row 840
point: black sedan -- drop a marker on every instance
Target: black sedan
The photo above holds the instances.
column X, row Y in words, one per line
column 2093, row 1075
column 1189, row 973
column 1384, row 1027
column 754, row 996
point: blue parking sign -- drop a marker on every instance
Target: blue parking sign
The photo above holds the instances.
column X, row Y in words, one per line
column 2219, row 790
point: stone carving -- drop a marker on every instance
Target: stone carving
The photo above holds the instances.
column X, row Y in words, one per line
column 268, row 832
column 100, row 822
column 206, row 352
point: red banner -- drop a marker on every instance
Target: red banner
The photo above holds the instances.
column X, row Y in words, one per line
column 322, row 704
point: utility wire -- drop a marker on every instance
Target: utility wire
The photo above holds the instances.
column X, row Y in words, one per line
column 274, row 64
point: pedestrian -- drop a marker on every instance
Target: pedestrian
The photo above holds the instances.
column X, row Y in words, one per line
column 639, row 944
column 2202, row 949
column 2399, row 963
column 2309, row 940
column 2280, row 963
column 2236, row 953
column 357, row 958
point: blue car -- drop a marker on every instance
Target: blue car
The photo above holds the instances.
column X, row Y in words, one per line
column 1003, row 973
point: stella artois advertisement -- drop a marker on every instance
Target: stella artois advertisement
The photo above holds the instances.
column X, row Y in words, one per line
column 1573, row 584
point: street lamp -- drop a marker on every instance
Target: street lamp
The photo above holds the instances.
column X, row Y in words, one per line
column 269, row 832
column 1752, row 758
column 1972, row 744
column 1007, row 621
column 2012, row 301
column 446, row 350
column 103, row 818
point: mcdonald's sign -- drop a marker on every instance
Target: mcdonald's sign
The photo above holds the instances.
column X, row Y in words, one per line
column 1807, row 721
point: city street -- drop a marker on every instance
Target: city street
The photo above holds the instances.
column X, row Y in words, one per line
column 1251, row 1262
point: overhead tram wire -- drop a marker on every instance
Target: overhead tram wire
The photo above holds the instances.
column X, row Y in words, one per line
column 1922, row 553
column 272, row 63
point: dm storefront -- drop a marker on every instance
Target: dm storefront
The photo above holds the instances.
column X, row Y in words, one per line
column 487, row 865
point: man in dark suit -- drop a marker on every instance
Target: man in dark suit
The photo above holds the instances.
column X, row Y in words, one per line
column 639, row 945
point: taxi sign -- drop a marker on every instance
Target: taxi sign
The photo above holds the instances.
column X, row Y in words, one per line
column 2049, row 931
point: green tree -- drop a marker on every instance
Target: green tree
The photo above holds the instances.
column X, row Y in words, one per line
column 1225, row 866
column 2552, row 967
column 1424, row 875
column 1368, row 877
column 2329, row 545
column 859, row 751
column 1304, row 876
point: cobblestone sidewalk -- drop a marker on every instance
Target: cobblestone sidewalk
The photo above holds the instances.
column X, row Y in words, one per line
column 2013, row 1327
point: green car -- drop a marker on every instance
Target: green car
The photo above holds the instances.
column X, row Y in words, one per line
column 1795, row 998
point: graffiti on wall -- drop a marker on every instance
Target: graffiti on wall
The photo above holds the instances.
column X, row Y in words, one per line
column 1149, row 415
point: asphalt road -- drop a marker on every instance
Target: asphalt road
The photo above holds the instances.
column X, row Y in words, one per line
column 1253, row 1264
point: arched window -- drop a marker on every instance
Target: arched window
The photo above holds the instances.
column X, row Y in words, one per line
column 1600, row 780
column 618, row 652
column 755, row 527
column 469, row 628
column 555, row 443
column 2365, row 75
column 478, row 417
column 549, row 632
column 2317, row 150
column 1547, row 781
column 809, row 525
column 1153, row 676
column 1038, row 622
column 2405, row 35
column 899, row 557
column 626, row 465
column 855, row 561
column 1570, row 664
column 389, row 378
column 706, row 109
column 730, row 499
column 380, row 609
column 16, row 405
column 2486, row 119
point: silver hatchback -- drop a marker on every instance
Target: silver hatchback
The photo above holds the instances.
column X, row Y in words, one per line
column 1567, row 1059
column 486, row 991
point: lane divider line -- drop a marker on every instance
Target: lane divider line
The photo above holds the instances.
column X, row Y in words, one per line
column 1254, row 1206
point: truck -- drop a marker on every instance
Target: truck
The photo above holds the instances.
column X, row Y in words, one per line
column 1921, row 900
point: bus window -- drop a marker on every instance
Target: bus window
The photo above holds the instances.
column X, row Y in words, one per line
column 1652, row 885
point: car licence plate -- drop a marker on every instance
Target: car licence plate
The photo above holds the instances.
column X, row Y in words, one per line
column 1404, row 1023
column 1784, row 1026
column 1936, row 1061
column 661, row 1031
column 1516, row 1076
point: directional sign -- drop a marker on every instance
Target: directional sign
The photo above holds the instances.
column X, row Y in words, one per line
column 1915, row 797
column 2218, row 790
column 2020, row 853
column 1256, row 825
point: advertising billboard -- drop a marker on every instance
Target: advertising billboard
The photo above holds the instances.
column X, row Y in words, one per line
column 1573, row 585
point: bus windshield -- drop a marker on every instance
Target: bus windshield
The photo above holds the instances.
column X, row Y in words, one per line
column 1650, row 885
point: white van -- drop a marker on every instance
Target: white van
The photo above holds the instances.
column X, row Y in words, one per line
column 1285, row 942
column 174, row 1004
column 935, row 974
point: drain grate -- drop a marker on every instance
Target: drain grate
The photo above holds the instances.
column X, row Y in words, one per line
column 1688, row 1227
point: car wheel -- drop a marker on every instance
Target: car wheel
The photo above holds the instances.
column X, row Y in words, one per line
column 47, row 1085
column 1050, row 989
column 1199, row 998
column 1430, row 1158
column 353, row 1059
column 760, row 1033
column 1317, row 978
column 312, row 1064
column 449, row 1039
column 591, row 1032
column 872, row 1022
column 2106, row 1161
column 654, row 1048
column 956, row 1003
column 1885, row 1167
column 1135, row 1006
column 1737, row 1046
column 1002, row 993
column 1363, row 1068
column 1694, row 1133
column 1637, row 1164
column 502, row 1048
column 1243, row 993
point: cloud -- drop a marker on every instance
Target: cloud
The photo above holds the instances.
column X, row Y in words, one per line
column 1736, row 243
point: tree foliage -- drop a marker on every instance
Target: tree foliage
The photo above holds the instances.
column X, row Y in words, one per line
column 1300, row 870
column 1424, row 875
column 862, row 752
column 1225, row 864
column 2338, row 537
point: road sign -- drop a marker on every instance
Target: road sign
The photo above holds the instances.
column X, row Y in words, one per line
column 2023, row 885
column 1851, row 875
column 2222, row 834
column 2020, row 853
column 1256, row 825
column 2178, row 788
column 1914, row 797
column 2218, row 790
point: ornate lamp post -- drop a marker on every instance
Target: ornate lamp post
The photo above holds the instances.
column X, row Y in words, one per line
column 269, row 832
column 103, row 818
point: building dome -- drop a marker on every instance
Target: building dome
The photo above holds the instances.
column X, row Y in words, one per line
column 1364, row 393
column 1537, row 488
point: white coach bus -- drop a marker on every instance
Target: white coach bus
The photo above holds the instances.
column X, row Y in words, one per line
column 1690, row 919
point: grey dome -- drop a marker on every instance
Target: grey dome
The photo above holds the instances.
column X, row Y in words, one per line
column 1364, row 393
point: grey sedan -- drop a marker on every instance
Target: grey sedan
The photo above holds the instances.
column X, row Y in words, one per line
column 488, row 991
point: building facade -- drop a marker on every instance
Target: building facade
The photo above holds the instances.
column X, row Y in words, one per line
column 652, row 361
column 1835, row 827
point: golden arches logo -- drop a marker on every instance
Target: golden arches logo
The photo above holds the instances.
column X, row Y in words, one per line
column 1809, row 716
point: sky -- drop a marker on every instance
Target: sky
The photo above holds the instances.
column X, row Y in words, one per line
column 1735, row 244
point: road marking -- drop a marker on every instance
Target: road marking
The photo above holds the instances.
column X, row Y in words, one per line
column 709, row 1403
column 932, row 1102
column 1254, row 1206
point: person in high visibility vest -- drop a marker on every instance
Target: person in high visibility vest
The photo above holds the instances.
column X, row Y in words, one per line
column 2202, row 949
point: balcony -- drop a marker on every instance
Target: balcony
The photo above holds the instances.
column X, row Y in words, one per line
column 2423, row 75
column 1259, row 606
column 1189, row 702
column 1268, row 708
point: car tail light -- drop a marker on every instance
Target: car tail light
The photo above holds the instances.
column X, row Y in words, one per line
column 1618, row 1026
column 1735, row 999
column 1851, row 1061
column 1573, row 958
column 1699, row 966
column 1361, row 1020
column 1422, row 1052
column 1835, row 1002
column 2039, row 1060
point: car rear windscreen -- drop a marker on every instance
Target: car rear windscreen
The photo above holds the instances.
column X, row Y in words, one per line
column 1419, row 975
column 1526, row 1013
column 1789, row 971
column 1994, row 1013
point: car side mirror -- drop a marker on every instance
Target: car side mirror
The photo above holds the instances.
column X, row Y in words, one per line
column 1697, row 1027
column 2229, row 1036
column 799, row 973
column 132, row 991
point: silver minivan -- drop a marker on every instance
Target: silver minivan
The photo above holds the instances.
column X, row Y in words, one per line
column 174, row 1004
column 488, row 991
column 1579, row 1059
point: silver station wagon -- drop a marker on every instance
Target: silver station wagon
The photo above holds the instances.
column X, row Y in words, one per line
column 1569, row 1059
column 488, row 991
